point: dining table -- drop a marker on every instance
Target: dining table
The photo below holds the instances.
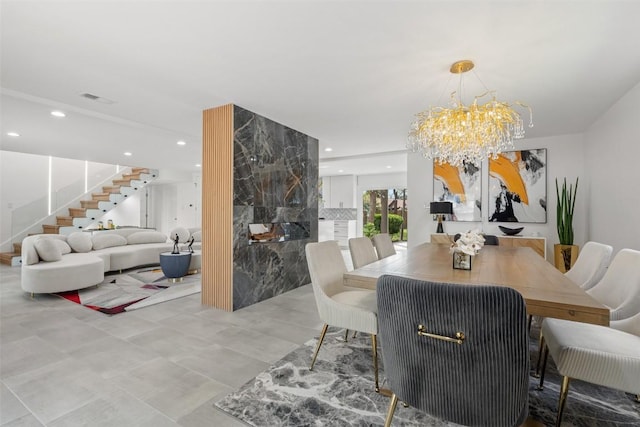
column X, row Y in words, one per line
column 546, row 291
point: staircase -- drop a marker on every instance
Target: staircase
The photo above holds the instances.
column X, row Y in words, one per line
column 90, row 210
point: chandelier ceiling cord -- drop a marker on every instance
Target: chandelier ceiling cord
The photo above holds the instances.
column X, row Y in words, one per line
column 467, row 133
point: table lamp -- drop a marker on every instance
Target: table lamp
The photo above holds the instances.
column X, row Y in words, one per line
column 441, row 208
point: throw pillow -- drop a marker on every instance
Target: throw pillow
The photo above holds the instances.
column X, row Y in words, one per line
column 146, row 237
column 80, row 242
column 63, row 246
column 183, row 234
column 101, row 241
column 197, row 236
column 48, row 250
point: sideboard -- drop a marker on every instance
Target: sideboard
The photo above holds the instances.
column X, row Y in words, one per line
column 538, row 244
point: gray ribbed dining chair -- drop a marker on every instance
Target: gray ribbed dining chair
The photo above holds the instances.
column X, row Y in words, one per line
column 362, row 251
column 457, row 352
column 384, row 245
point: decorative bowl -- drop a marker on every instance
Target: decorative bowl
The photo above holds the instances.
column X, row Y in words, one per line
column 510, row 231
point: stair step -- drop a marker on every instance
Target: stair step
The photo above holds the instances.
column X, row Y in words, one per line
column 77, row 212
column 64, row 220
column 111, row 189
column 81, row 222
column 139, row 170
column 17, row 248
column 127, row 191
column 116, row 198
column 50, row 229
column 93, row 204
column 100, row 196
column 5, row 258
column 93, row 214
column 120, row 182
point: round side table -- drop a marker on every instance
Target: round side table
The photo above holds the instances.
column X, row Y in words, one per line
column 175, row 266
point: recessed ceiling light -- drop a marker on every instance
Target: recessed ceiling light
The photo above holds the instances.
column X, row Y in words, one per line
column 126, row 153
column 341, row 170
column 58, row 114
column 198, row 165
column 13, row 134
column 323, row 167
column 181, row 143
column 328, row 149
column 388, row 167
column 97, row 98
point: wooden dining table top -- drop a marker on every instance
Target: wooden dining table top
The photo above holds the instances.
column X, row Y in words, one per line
column 547, row 291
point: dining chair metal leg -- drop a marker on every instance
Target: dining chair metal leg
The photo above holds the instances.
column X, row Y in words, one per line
column 322, row 334
column 391, row 411
column 564, row 390
column 374, row 347
column 545, row 354
column 540, row 348
column 346, row 335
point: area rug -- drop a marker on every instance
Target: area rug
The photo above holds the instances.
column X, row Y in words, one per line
column 129, row 291
column 340, row 392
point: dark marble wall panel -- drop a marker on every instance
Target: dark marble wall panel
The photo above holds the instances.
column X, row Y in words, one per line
column 275, row 180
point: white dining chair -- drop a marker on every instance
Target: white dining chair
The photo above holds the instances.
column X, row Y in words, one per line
column 593, row 353
column 592, row 263
column 384, row 245
column 362, row 251
column 338, row 305
column 619, row 288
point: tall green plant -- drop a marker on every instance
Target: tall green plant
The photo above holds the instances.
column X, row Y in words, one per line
column 565, row 208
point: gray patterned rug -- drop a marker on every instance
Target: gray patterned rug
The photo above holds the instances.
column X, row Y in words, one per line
column 339, row 392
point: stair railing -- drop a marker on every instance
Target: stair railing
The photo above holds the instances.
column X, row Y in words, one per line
column 28, row 219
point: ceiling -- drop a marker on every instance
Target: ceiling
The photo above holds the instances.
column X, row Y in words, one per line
column 350, row 73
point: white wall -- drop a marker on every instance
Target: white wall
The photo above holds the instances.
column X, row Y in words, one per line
column 565, row 158
column 612, row 160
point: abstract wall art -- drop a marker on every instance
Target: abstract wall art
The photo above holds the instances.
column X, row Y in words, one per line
column 461, row 185
column 518, row 186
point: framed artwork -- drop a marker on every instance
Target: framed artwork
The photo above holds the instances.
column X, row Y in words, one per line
column 518, row 186
column 461, row 185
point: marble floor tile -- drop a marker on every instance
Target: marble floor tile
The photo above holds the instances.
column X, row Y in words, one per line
column 235, row 370
column 208, row 415
column 114, row 409
column 10, row 407
column 62, row 364
column 254, row 344
column 172, row 389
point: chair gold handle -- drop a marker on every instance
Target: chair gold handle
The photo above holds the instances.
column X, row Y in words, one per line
column 459, row 339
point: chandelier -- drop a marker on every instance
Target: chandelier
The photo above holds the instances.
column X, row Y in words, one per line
column 467, row 133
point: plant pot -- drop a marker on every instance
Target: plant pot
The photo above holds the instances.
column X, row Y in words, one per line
column 565, row 256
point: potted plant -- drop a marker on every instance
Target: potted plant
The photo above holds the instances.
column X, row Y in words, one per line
column 565, row 253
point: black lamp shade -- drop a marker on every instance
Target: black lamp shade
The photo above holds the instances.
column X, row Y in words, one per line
column 441, row 208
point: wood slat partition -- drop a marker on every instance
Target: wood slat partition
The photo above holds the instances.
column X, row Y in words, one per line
column 217, row 207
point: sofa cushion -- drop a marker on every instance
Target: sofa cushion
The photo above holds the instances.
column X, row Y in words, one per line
column 197, row 236
column 183, row 234
column 48, row 250
column 101, row 241
column 146, row 237
column 80, row 242
column 64, row 247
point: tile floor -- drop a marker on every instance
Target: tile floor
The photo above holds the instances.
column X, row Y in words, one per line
column 64, row 365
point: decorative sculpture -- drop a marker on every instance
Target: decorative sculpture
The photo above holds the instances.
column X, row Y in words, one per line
column 176, row 250
column 191, row 244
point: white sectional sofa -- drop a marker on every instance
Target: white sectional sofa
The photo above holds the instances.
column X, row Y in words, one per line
column 58, row 263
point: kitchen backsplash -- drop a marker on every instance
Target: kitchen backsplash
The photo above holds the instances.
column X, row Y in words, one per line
column 337, row 213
